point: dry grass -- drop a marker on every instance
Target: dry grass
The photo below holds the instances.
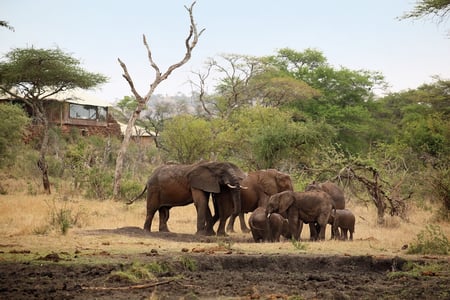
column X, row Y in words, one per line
column 26, row 223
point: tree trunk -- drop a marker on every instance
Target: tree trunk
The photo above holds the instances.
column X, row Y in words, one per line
column 42, row 162
column 190, row 43
column 122, row 151
column 378, row 198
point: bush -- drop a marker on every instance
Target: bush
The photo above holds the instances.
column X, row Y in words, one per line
column 12, row 127
column 99, row 184
column 431, row 240
column 130, row 189
column 441, row 191
column 61, row 218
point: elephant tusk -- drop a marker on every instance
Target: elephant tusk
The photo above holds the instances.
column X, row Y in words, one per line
column 235, row 186
column 268, row 215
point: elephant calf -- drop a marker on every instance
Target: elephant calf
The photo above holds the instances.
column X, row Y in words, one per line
column 266, row 229
column 344, row 220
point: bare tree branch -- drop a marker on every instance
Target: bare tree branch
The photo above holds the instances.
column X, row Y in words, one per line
column 190, row 43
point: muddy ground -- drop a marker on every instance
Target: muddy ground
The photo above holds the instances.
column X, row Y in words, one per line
column 216, row 272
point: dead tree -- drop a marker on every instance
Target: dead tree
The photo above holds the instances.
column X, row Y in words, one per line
column 190, row 43
column 379, row 196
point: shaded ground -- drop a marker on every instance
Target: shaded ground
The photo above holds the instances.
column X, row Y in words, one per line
column 213, row 272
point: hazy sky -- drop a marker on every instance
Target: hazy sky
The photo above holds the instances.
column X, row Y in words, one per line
column 357, row 34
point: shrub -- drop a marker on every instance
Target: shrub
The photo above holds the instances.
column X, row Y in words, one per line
column 137, row 272
column 12, row 127
column 431, row 240
column 61, row 217
column 99, row 184
column 441, row 190
column 130, row 189
column 299, row 245
column 189, row 263
column 417, row 270
column 132, row 273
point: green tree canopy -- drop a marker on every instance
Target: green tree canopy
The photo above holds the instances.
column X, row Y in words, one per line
column 439, row 8
column 187, row 139
column 35, row 75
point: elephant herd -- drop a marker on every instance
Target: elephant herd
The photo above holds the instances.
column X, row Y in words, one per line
column 276, row 209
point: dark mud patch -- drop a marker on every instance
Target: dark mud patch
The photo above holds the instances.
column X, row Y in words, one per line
column 213, row 276
column 133, row 231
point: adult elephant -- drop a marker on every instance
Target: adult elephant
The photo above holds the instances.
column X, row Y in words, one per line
column 179, row 185
column 259, row 186
column 307, row 207
column 337, row 196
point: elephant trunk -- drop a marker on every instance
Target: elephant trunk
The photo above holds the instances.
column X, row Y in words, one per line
column 237, row 203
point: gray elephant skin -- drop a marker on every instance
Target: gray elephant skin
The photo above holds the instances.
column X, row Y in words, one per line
column 259, row 186
column 307, row 207
column 179, row 185
column 337, row 195
column 268, row 229
column 342, row 221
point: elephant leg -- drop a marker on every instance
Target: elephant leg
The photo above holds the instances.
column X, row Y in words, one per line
column 322, row 231
column 230, row 226
column 294, row 224
column 313, row 230
column 209, row 222
column 163, row 217
column 344, row 234
column 351, row 235
column 335, row 232
column 215, row 218
column 300, row 228
column 149, row 218
column 221, row 228
column 244, row 227
column 201, row 204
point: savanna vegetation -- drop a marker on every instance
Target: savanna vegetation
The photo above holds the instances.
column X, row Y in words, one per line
column 292, row 111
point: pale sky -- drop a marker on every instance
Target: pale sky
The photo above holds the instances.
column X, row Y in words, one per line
column 356, row 34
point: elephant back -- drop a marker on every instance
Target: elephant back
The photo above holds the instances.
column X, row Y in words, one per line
column 332, row 189
column 345, row 218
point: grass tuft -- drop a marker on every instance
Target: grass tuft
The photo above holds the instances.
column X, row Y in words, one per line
column 431, row 240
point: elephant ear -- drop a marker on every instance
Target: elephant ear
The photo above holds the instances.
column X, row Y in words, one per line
column 202, row 178
column 286, row 200
column 266, row 180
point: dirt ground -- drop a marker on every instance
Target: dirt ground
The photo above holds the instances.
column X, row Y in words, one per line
column 215, row 271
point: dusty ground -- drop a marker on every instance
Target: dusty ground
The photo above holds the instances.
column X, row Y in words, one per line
column 211, row 271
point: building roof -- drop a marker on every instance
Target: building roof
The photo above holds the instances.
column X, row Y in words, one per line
column 135, row 131
column 79, row 96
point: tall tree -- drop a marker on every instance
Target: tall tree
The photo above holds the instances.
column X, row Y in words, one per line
column 344, row 94
column 437, row 9
column 34, row 76
column 190, row 43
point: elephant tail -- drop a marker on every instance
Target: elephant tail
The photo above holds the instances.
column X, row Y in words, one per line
column 137, row 197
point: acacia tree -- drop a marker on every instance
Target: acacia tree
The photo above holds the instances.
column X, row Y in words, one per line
column 190, row 43
column 34, row 76
column 439, row 9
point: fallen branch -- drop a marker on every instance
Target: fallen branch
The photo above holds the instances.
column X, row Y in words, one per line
column 124, row 288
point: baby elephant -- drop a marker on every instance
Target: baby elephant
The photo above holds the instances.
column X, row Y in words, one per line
column 344, row 220
column 268, row 229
